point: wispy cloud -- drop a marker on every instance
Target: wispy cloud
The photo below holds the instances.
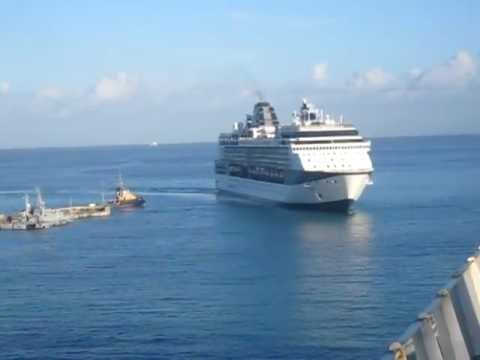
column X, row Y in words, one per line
column 372, row 79
column 320, row 71
column 452, row 75
column 4, row 87
column 376, row 96
column 457, row 71
column 50, row 92
column 115, row 87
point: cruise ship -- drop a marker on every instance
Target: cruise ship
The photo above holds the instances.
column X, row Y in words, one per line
column 316, row 161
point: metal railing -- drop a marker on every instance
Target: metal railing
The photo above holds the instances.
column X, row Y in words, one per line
column 449, row 328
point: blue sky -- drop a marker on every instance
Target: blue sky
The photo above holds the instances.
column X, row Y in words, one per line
column 121, row 72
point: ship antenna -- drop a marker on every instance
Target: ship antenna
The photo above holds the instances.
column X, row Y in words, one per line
column 102, row 186
column 28, row 206
column 40, row 201
column 120, row 180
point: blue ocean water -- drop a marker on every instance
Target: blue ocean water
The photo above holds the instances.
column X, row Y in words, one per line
column 200, row 276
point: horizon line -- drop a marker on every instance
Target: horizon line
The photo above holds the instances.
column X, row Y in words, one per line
column 72, row 147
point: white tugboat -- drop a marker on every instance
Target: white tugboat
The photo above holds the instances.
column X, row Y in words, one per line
column 317, row 161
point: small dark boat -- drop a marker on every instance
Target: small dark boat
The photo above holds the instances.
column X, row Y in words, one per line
column 124, row 197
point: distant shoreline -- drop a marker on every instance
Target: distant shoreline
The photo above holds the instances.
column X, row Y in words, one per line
column 89, row 147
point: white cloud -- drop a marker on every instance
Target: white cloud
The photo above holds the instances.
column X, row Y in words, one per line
column 246, row 93
column 320, row 71
column 50, row 93
column 4, row 87
column 373, row 79
column 415, row 72
column 116, row 87
column 457, row 71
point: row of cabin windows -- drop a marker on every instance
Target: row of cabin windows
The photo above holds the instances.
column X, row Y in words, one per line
column 334, row 166
column 320, row 133
column 328, row 148
column 327, row 154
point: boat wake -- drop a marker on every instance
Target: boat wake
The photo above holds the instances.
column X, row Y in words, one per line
column 148, row 190
column 177, row 191
column 16, row 192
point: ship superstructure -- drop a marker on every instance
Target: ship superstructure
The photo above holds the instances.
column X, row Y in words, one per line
column 315, row 161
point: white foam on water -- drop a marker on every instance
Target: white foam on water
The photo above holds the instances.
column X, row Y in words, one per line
column 181, row 194
column 16, row 192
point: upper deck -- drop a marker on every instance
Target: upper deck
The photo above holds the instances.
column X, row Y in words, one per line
column 309, row 125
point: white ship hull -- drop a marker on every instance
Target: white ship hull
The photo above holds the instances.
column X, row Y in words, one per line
column 338, row 191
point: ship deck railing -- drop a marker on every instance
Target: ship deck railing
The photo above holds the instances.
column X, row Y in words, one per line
column 449, row 328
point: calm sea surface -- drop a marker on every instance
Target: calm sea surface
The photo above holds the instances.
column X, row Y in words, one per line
column 199, row 276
